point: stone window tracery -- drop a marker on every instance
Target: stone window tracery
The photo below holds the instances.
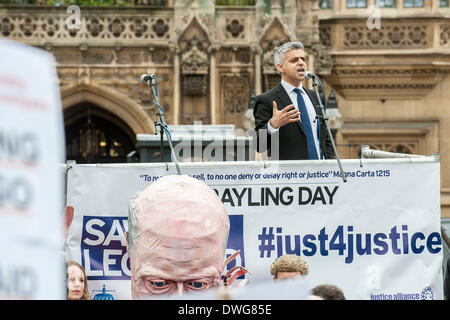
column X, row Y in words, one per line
column 234, row 28
column 388, row 36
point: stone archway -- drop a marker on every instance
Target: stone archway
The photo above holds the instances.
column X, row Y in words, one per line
column 94, row 135
column 115, row 102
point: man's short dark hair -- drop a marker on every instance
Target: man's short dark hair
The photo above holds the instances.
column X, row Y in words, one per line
column 328, row 292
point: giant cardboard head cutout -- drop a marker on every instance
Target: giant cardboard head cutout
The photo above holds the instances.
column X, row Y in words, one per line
column 178, row 230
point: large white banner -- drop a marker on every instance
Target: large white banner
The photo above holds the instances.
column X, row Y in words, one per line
column 31, row 178
column 376, row 236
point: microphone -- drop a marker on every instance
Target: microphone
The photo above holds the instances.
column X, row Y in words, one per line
column 309, row 75
column 147, row 77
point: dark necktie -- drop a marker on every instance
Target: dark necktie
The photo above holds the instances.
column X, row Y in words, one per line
column 306, row 124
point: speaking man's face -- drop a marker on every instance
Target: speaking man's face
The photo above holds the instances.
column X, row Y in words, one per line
column 179, row 234
column 294, row 67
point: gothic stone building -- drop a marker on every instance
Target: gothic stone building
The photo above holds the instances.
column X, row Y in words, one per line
column 388, row 62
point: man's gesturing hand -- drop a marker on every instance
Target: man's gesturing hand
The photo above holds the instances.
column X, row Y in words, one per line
column 281, row 117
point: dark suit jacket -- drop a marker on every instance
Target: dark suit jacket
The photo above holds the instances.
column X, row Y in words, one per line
column 291, row 137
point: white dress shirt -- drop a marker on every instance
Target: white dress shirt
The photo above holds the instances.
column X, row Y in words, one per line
column 309, row 107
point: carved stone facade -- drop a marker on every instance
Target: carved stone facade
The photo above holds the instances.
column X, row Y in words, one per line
column 191, row 47
column 391, row 80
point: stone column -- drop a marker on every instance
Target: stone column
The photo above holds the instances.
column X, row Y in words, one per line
column 212, row 86
column 257, row 51
column 212, row 82
column 310, row 58
column 174, row 50
column 177, row 88
column 258, row 78
column 434, row 6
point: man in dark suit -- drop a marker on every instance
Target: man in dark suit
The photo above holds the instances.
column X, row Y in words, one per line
column 285, row 116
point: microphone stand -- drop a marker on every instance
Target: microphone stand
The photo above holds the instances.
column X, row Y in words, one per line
column 162, row 126
column 325, row 119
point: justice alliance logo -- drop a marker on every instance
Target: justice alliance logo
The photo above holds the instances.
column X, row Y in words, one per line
column 427, row 294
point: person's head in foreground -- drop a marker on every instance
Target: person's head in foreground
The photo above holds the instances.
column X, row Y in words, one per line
column 289, row 266
column 77, row 288
column 328, row 292
column 177, row 235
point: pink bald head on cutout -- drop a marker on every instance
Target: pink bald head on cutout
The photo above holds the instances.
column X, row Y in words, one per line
column 178, row 232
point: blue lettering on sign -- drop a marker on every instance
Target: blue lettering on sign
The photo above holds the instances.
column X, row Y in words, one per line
column 104, row 249
column 348, row 244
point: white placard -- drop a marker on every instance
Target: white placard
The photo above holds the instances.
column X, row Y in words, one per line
column 31, row 179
